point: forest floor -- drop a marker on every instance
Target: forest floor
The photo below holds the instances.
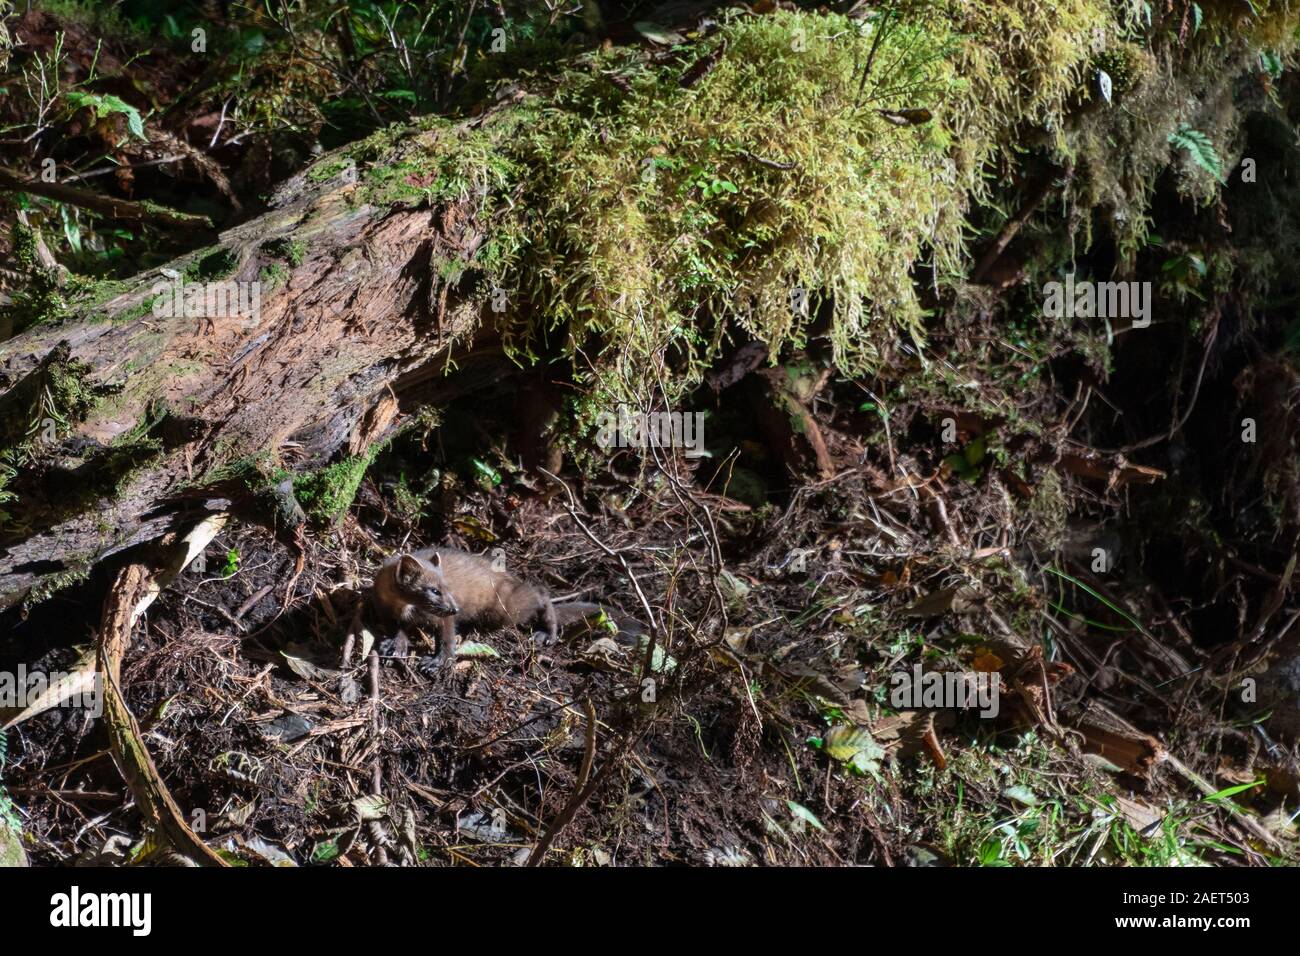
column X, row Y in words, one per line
column 951, row 511
column 778, row 744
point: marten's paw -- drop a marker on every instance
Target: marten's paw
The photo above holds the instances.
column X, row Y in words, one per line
column 348, row 690
column 397, row 646
column 433, row 666
column 544, row 638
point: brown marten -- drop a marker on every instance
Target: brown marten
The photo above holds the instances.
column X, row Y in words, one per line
column 441, row 588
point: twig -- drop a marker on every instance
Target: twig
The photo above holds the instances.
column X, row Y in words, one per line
column 133, row 760
column 123, row 209
column 571, row 508
column 994, row 252
column 581, row 792
column 257, row 596
column 769, row 163
column 377, row 835
column 875, row 44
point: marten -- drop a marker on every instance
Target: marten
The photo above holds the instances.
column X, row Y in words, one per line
column 440, row 588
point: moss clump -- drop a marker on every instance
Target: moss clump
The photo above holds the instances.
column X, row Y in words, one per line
column 138, row 311
column 54, row 583
column 327, row 169
column 446, row 163
column 38, row 411
column 653, row 217
column 292, row 251
column 1177, row 84
column 95, row 292
column 273, row 276
column 328, row 493
column 39, row 299
column 212, row 265
column 1126, row 64
column 55, row 392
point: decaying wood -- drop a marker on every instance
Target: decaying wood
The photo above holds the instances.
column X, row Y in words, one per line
column 1114, row 470
column 343, row 346
column 1110, row 736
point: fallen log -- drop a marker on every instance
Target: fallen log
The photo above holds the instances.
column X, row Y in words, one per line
column 139, row 410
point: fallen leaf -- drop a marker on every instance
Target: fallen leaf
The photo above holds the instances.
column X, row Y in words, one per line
column 800, row 812
column 1021, row 794
column 986, row 662
column 657, row 33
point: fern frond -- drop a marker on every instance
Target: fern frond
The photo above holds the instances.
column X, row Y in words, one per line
column 1199, row 148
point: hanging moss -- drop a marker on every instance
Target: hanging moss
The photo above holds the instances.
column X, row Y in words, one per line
column 54, row 583
column 648, row 207
column 1174, row 77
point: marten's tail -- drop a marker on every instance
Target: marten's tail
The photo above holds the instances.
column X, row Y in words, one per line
column 629, row 631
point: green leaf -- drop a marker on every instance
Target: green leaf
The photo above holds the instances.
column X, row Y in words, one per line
column 1233, row 791
column 476, row 649
column 657, row 33
column 801, row 812
column 1021, row 794
column 660, row 662
column 1199, row 148
column 135, row 124
column 70, row 228
column 486, row 472
column 324, row 852
column 107, row 105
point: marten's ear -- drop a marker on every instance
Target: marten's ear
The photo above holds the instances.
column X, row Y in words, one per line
column 408, row 570
column 435, row 560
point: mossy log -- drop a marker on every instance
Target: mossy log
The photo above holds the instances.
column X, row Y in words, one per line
column 121, row 419
column 638, row 204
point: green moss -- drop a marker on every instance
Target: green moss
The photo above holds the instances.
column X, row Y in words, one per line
column 645, row 221
column 1126, row 64
column 138, row 311
column 328, row 493
column 448, row 163
column 327, row 169
column 292, row 251
column 211, row 265
column 54, row 583
column 408, row 503
column 56, row 391
column 38, row 299
column 251, row 471
column 273, row 276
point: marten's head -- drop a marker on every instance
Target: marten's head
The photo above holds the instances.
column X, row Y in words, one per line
column 423, row 585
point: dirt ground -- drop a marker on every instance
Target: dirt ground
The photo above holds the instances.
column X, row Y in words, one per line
column 774, row 742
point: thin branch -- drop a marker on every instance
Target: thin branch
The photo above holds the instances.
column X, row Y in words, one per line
column 123, row 209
